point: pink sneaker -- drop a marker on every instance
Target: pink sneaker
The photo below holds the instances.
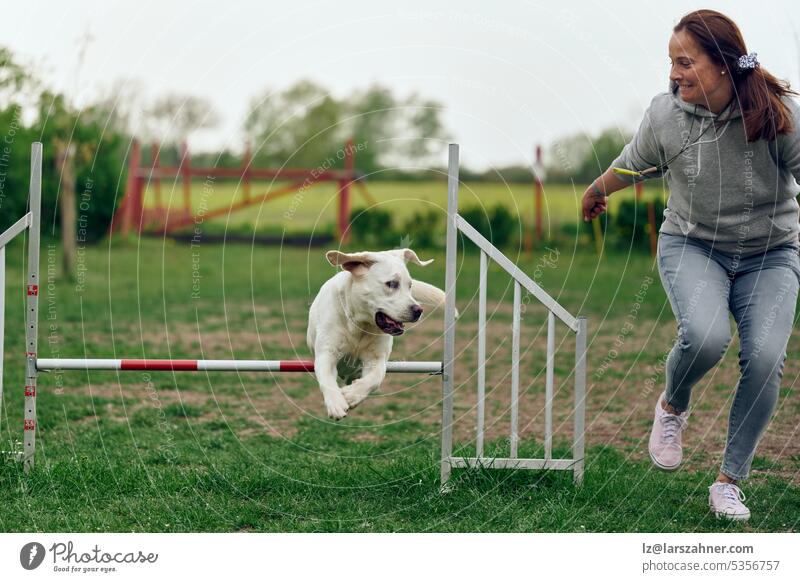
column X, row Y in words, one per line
column 725, row 500
column 665, row 438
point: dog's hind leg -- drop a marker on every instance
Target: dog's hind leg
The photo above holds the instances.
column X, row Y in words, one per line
column 325, row 370
column 427, row 294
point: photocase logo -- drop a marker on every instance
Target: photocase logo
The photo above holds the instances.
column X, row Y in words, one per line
column 31, row 555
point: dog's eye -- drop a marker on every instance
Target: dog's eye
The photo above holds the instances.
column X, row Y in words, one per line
column 392, row 284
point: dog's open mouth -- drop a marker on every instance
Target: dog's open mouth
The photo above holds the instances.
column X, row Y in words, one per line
column 388, row 325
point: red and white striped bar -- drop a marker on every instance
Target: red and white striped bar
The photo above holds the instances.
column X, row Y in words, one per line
column 48, row 364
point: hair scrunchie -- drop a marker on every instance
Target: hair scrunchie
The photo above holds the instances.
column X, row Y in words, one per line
column 746, row 63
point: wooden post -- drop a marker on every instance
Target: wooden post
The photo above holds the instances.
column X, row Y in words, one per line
column 344, row 193
column 156, row 152
column 65, row 155
column 187, row 179
column 247, row 161
column 123, row 215
column 137, row 208
column 651, row 217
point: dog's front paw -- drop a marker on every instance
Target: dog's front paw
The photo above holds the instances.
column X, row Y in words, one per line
column 353, row 395
column 336, row 404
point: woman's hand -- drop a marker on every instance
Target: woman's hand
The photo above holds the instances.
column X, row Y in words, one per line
column 593, row 204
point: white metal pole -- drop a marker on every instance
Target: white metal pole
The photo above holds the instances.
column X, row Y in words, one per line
column 515, row 325
column 449, row 313
column 481, row 354
column 548, row 392
column 2, row 323
column 580, row 401
column 32, row 309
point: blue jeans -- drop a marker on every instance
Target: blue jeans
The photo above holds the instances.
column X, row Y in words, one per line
column 703, row 284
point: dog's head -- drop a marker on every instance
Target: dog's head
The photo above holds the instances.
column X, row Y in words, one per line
column 381, row 286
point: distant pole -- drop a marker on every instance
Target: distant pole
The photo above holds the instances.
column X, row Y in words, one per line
column 187, row 178
column 344, row 193
column 123, row 215
column 156, row 154
column 538, row 191
column 137, row 201
column 651, row 217
column 247, row 161
column 65, row 155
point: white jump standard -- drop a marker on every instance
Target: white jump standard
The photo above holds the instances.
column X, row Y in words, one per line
column 455, row 223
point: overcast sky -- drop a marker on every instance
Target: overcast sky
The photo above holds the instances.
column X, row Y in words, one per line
column 510, row 74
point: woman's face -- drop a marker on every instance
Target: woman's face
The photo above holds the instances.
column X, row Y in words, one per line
column 700, row 80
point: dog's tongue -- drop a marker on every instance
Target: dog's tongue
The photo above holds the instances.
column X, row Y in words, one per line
column 388, row 325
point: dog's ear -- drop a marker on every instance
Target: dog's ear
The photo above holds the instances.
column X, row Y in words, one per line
column 409, row 255
column 356, row 263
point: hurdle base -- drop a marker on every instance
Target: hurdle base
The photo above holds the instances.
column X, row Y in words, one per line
column 506, row 463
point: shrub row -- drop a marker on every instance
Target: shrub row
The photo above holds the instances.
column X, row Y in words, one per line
column 376, row 228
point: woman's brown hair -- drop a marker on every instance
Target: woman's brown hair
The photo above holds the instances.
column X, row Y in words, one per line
column 757, row 90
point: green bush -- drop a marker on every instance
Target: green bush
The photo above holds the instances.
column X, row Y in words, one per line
column 503, row 225
column 423, row 230
column 372, row 228
column 496, row 224
column 631, row 224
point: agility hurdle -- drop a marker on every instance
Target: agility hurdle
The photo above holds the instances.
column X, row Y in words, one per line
column 51, row 364
column 456, row 224
column 31, row 223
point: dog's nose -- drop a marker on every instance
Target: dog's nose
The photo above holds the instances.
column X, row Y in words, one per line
column 416, row 312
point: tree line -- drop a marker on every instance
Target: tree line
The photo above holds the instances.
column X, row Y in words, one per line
column 400, row 137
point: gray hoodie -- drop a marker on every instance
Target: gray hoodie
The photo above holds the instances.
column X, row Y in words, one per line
column 741, row 196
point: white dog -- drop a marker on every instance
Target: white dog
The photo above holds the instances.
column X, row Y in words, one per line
column 354, row 317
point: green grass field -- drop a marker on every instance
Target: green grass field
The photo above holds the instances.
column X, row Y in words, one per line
column 315, row 208
column 169, row 452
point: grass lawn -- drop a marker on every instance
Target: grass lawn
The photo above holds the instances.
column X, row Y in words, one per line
column 225, row 452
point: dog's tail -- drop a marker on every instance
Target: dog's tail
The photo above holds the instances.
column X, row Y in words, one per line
column 427, row 294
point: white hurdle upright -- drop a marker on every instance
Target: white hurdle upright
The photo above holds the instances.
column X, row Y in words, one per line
column 31, row 223
column 456, row 224
column 34, row 364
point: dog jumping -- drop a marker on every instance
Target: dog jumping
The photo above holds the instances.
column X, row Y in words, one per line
column 355, row 317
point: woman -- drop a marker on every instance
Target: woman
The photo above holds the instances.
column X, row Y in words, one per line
column 726, row 137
